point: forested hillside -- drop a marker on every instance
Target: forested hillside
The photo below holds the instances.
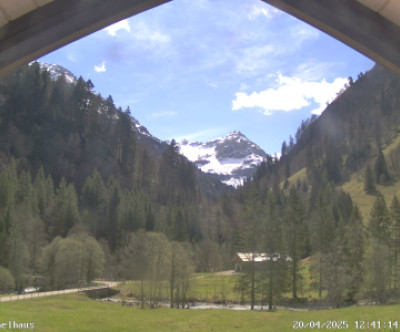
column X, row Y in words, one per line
column 71, row 164
column 76, row 185
column 351, row 253
column 362, row 120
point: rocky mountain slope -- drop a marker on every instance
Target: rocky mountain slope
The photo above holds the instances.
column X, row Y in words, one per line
column 56, row 71
column 232, row 159
column 156, row 145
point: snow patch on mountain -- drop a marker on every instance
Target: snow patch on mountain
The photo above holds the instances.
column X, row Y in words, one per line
column 56, row 71
column 233, row 158
column 140, row 128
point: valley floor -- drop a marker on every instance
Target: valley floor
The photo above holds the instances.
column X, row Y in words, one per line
column 76, row 312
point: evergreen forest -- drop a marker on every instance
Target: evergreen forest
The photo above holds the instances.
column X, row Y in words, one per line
column 82, row 198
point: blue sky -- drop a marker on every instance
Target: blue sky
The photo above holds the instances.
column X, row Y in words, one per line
column 201, row 69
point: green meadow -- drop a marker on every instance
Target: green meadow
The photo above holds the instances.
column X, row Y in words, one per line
column 208, row 287
column 79, row 313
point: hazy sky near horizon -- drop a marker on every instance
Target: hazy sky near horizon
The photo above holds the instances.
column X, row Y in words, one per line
column 199, row 69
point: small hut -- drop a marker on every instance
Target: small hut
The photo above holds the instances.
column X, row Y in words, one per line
column 243, row 259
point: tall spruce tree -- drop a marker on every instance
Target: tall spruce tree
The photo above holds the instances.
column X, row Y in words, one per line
column 276, row 269
column 395, row 239
column 321, row 228
column 65, row 213
column 379, row 222
column 379, row 259
column 381, row 172
column 296, row 234
column 335, row 266
column 113, row 228
column 369, row 182
column 354, row 254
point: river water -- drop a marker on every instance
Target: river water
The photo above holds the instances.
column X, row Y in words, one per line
column 199, row 305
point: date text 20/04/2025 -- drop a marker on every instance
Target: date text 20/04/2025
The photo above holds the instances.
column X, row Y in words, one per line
column 346, row 324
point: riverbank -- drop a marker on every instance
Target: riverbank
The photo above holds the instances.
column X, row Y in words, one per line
column 76, row 312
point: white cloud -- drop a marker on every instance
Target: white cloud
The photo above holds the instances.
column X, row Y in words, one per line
column 163, row 114
column 149, row 39
column 291, row 94
column 121, row 25
column 101, row 68
column 142, row 32
column 257, row 11
column 302, row 32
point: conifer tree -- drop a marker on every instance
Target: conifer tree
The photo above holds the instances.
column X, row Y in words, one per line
column 36, row 239
column 379, row 260
column 395, row 239
column 276, row 269
column 295, row 233
column 369, row 182
column 354, row 254
column 112, row 228
column 150, row 218
column 145, row 172
column 333, row 164
column 321, row 229
column 179, row 229
column 18, row 253
column 110, row 107
column 126, row 142
column 94, row 192
column 335, row 266
column 168, row 173
column 44, row 191
column 253, row 217
column 381, row 173
column 379, row 222
column 65, row 210
column 94, row 203
column 9, row 223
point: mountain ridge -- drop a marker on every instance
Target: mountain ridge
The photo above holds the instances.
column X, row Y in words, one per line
column 232, row 158
column 56, row 71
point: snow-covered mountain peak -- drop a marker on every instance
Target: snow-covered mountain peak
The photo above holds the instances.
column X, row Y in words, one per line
column 232, row 158
column 235, row 135
column 56, row 71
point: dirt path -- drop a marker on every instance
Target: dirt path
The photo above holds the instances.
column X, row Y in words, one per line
column 109, row 284
column 225, row 273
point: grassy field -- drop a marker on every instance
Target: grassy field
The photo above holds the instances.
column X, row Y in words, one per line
column 301, row 175
column 78, row 313
column 216, row 287
column 355, row 186
column 204, row 286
